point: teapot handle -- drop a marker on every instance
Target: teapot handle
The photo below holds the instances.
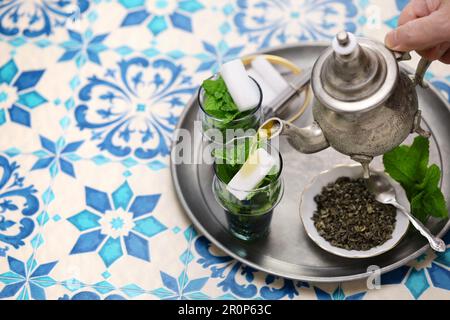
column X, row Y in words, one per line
column 402, row 56
column 422, row 68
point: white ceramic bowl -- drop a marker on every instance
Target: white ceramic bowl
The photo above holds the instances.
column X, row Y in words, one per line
column 308, row 207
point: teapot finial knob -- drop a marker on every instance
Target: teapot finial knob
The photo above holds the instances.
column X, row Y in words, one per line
column 345, row 43
column 342, row 38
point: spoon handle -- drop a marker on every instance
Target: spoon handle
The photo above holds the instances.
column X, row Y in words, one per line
column 436, row 243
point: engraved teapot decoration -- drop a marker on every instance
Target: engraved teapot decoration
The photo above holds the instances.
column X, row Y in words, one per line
column 365, row 105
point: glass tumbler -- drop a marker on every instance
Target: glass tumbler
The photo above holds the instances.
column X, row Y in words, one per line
column 221, row 131
column 250, row 218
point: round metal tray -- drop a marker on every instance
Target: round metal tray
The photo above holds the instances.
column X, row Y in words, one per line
column 288, row 251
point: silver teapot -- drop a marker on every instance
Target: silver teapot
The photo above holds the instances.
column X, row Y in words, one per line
column 365, row 105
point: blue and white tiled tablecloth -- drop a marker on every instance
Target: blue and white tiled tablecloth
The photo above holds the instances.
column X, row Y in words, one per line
column 87, row 207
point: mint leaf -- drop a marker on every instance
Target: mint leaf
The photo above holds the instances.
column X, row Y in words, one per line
column 431, row 180
column 235, row 155
column 230, row 160
column 434, row 204
column 429, row 203
column 433, row 199
column 218, row 101
column 211, row 86
column 417, row 207
column 210, row 105
column 228, row 103
column 393, row 163
column 409, row 166
column 420, row 151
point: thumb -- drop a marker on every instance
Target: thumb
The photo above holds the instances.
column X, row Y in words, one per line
column 418, row 34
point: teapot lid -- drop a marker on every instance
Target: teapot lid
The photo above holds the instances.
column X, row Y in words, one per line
column 354, row 74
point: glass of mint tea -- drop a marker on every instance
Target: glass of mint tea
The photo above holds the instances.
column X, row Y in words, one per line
column 249, row 215
column 221, row 120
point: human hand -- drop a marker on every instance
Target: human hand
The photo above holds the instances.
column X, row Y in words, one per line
column 423, row 26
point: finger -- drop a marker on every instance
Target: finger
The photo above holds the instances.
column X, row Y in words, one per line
column 419, row 34
column 429, row 54
column 418, row 9
column 436, row 52
column 446, row 57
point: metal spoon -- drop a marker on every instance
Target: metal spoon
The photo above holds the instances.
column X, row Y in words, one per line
column 384, row 192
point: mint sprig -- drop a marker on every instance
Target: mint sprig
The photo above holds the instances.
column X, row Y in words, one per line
column 408, row 165
column 230, row 160
column 218, row 101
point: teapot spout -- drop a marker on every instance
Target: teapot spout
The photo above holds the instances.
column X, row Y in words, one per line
column 309, row 139
column 365, row 163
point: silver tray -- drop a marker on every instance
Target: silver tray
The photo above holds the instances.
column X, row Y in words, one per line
column 287, row 251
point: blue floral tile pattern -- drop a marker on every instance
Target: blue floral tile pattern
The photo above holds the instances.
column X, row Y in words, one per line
column 89, row 295
column 90, row 94
column 215, row 54
column 83, row 47
column 419, row 280
column 18, row 206
column 120, row 223
column 338, row 294
column 270, row 21
column 37, row 18
column 163, row 14
column 57, row 156
column 229, row 271
column 181, row 288
column 26, row 280
column 17, row 94
column 155, row 90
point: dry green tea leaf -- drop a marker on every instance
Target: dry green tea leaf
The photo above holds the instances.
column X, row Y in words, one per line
column 349, row 217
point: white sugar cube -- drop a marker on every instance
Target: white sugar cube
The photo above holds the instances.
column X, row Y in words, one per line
column 253, row 171
column 269, row 74
column 268, row 94
column 242, row 89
